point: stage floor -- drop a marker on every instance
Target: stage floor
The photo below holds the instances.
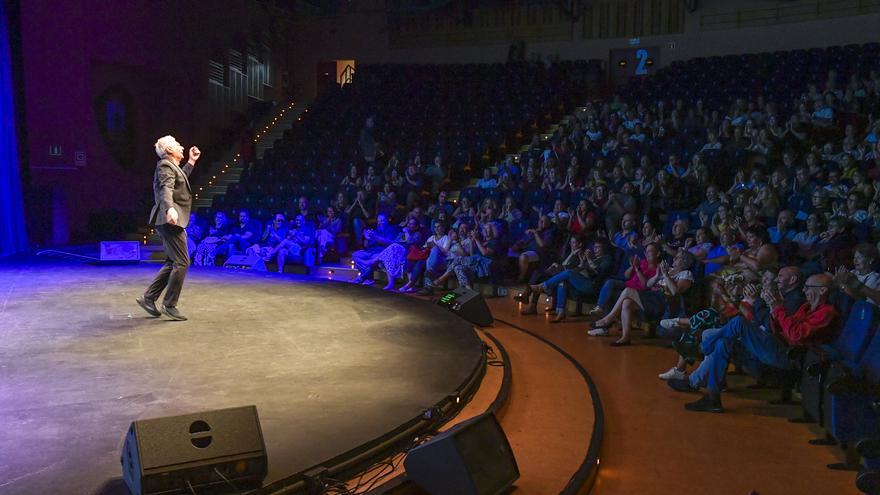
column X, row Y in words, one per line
column 329, row 365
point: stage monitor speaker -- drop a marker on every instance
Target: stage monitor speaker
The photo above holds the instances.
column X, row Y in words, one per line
column 469, row 304
column 472, row 458
column 242, row 262
column 219, row 451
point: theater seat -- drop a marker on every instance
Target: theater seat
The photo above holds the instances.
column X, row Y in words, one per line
column 853, row 390
column 848, row 348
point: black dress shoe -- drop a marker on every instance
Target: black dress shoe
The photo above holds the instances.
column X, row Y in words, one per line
column 706, row 403
column 149, row 306
column 172, row 313
column 618, row 343
column 681, row 385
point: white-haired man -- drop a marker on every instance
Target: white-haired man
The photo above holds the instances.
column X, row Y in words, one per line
column 170, row 215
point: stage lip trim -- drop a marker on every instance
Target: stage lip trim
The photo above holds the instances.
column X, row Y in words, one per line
column 355, row 460
column 494, row 408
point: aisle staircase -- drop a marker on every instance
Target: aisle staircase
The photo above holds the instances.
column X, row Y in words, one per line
column 228, row 171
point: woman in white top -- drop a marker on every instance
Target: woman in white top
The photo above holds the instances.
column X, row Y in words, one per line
column 862, row 281
column 436, row 247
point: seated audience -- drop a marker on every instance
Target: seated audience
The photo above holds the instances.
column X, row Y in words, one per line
column 273, row 235
column 299, row 245
column 581, row 274
column 241, row 236
column 375, row 241
column 813, row 323
column 652, row 301
column 216, row 234
column 329, row 228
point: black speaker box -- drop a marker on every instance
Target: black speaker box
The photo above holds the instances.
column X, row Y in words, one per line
column 219, row 451
column 469, row 304
column 472, row 458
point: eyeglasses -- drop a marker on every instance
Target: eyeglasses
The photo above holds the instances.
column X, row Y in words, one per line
column 807, row 286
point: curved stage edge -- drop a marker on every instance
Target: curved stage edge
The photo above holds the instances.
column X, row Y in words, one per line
column 574, row 388
column 584, row 478
column 81, row 363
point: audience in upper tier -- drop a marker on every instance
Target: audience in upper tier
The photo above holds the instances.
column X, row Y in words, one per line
column 710, row 199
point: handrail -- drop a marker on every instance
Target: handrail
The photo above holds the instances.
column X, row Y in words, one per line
column 347, row 75
column 785, row 14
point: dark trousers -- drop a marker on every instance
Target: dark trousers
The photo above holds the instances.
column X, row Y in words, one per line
column 176, row 265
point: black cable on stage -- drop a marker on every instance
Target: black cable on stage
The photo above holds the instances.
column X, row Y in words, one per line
column 224, row 478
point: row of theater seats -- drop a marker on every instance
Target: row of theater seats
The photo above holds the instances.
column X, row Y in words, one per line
column 840, row 387
column 464, row 112
column 777, row 75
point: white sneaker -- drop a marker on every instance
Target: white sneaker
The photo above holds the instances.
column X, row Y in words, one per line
column 669, row 324
column 598, row 332
column 673, row 374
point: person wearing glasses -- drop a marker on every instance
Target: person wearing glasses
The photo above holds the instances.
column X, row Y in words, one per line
column 814, row 322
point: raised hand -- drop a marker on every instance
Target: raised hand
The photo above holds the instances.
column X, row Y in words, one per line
column 664, row 268
column 194, row 155
column 704, row 218
column 631, row 241
column 750, row 292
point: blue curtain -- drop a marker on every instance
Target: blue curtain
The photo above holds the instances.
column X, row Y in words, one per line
column 13, row 236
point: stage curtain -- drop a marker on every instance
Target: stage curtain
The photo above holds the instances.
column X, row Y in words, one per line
column 13, row 236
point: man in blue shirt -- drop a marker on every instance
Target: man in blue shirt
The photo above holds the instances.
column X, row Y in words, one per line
column 243, row 235
column 507, row 167
column 782, row 230
column 718, row 255
column 627, row 233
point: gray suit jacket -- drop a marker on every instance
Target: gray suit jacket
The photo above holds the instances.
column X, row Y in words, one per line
column 171, row 189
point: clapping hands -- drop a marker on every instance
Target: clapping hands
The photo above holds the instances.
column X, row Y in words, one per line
column 631, row 242
column 844, row 278
column 750, row 293
column 634, row 263
column 664, row 268
column 771, row 296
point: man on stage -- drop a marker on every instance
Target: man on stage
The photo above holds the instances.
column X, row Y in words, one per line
column 170, row 215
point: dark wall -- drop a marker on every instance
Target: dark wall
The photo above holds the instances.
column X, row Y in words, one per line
column 102, row 81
